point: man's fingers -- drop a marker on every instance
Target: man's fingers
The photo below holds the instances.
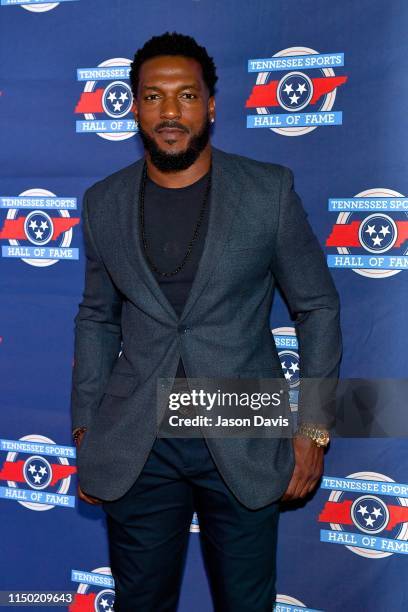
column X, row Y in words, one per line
column 88, row 498
column 308, row 469
column 293, row 487
column 300, row 485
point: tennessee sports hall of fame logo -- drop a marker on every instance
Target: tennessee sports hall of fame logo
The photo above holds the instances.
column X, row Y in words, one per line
column 370, row 233
column 95, row 592
column 287, row 347
column 37, row 472
column 106, row 101
column 38, row 227
column 295, row 91
column 35, row 6
column 368, row 514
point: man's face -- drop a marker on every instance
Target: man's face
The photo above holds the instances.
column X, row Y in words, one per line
column 173, row 108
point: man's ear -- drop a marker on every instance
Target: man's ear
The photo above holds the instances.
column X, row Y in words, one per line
column 211, row 107
column 135, row 110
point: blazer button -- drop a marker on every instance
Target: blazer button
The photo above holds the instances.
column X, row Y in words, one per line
column 182, row 329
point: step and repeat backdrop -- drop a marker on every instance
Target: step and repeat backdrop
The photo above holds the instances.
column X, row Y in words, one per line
column 316, row 85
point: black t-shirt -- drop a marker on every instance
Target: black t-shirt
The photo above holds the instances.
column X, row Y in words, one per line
column 171, row 216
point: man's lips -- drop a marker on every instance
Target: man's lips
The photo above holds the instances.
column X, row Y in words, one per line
column 170, row 131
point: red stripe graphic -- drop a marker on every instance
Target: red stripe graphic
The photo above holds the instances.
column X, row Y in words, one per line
column 347, row 235
column 344, row 235
column 60, row 471
column 265, row 95
column 398, row 514
column 83, row 603
column 14, row 228
column 13, row 470
column 90, row 102
column 402, row 228
column 334, row 512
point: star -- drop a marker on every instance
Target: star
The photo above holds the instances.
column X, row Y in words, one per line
column 43, row 470
column 294, row 99
column 288, row 88
column 384, row 230
column 112, row 96
column 117, row 106
column 104, row 603
column 123, row 96
column 38, row 234
column 32, row 468
column 377, row 512
column 301, row 88
column 294, row 367
column 377, row 241
column 369, row 521
column 44, row 225
column 362, row 510
column 33, row 224
column 288, row 375
column 370, row 230
column 37, row 478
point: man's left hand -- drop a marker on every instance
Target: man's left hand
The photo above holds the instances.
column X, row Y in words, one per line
column 309, row 460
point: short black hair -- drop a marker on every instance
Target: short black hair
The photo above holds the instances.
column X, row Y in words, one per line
column 172, row 43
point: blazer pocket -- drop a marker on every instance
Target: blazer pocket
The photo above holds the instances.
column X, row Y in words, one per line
column 121, row 385
column 234, row 247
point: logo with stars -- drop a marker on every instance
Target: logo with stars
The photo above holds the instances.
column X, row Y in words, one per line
column 295, row 91
column 41, row 237
column 117, row 99
column 38, row 227
column 287, row 347
column 367, row 513
column 95, row 592
column 37, row 472
column 371, row 233
column 106, row 102
column 34, row 6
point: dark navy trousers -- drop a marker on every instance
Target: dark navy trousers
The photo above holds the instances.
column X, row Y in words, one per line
column 148, row 530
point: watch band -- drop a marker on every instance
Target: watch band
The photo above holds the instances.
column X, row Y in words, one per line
column 318, row 434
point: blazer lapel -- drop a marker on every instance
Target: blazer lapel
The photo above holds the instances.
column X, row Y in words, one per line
column 225, row 194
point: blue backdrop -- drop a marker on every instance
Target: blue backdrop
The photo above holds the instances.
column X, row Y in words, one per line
column 314, row 85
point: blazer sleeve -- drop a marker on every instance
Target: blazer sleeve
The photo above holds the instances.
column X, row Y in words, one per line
column 300, row 269
column 97, row 331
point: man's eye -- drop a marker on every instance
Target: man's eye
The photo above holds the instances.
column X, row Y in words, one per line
column 151, row 97
column 189, row 96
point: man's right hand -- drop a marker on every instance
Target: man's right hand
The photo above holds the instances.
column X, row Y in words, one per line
column 86, row 498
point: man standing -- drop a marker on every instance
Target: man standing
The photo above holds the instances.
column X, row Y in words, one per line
column 184, row 248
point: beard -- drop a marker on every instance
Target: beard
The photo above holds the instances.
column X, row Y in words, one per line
column 173, row 162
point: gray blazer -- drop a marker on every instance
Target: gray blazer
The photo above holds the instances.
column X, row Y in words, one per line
column 127, row 335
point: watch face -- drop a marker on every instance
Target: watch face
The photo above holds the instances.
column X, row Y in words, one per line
column 323, row 440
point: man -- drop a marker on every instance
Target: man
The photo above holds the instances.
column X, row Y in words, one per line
column 184, row 248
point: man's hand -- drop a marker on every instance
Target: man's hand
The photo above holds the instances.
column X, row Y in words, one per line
column 86, row 498
column 309, row 459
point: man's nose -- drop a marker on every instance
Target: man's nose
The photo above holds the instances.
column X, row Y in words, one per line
column 170, row 108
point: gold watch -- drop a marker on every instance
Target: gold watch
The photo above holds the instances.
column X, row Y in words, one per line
column 319, row 435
